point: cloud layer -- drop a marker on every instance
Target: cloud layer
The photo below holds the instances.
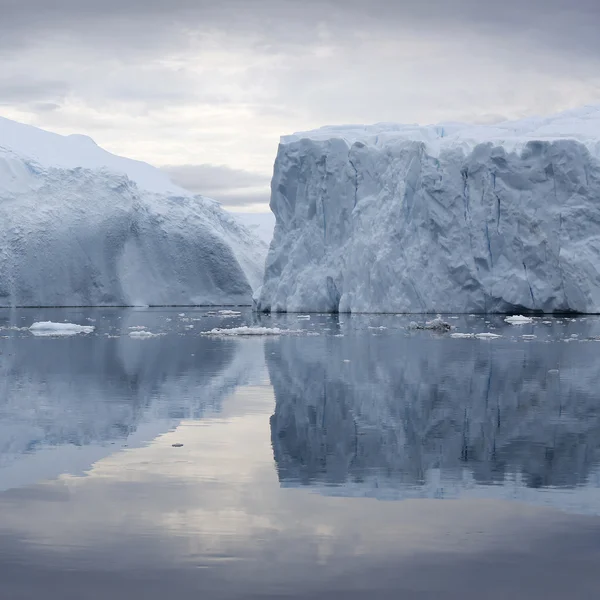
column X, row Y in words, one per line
column 192, row 82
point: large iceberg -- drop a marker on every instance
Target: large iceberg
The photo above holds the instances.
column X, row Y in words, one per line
column 444, row 218
column 82, row 227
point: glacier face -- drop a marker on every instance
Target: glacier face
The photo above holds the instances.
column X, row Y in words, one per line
column 90, row 235
column 446, row 218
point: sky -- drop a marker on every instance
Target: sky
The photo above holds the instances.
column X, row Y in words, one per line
column 204, row 89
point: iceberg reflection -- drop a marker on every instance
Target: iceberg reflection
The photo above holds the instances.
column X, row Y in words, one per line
column 397, row 416
column 66, row 402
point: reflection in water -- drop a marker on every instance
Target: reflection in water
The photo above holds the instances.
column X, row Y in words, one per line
column 64, row 402
column 433, row 416
column 411, row 413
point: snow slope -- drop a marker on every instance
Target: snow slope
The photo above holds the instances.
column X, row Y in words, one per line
column 80, row 226
column 261, row 224
column 444, row 218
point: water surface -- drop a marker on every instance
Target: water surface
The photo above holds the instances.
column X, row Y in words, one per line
column 357, row 458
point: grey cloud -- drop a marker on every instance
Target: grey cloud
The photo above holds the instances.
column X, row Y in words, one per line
column 15, row 90
column 564, row 23
column 232, row 187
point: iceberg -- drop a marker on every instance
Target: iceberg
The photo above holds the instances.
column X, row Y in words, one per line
column 48, row 328
column 83, row 227
column 449, row 218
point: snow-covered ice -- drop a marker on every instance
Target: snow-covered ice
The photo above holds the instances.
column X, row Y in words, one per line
column 443, row 218
column 48, row 328
column 518, row 320
column 82, row 227
column 246, row 331
column 144, row 335
column 262, row 224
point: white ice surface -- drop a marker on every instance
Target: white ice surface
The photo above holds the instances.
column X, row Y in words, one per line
column 444, row 218
column 143, row 335
column 250, row 331
column 518, row 320
column 82, row 227
column 48, row 328
column 261, row 224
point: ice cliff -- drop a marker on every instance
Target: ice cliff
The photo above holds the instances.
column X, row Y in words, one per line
column 445, row 218
column 82, row 227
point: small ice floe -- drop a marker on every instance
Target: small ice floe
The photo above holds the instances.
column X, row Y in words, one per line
column 529, row 337
column 138, row 327
column 48, row 328
column 437, row 324
column 229, row 313
column 181, row 315
column 518, row 320
column 143, row 335
column 346, row 360
column 246, row 331
column 381, row 328
column 477, row 336
column 553, row 372
column 547, row 322
column 305, row 317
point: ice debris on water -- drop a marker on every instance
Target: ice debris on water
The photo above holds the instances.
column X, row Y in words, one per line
column 518, row 320
column 144, row 335
column 247, row 331
column 48, row 328
column 437, row 324
column 478, row 336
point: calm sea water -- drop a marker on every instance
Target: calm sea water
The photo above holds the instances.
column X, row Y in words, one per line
column 356, row 458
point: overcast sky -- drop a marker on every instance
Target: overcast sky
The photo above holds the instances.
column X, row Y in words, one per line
column 206, row 88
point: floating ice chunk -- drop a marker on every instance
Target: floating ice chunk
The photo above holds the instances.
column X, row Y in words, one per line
column 307, row 317
column 529, row 337
column 518, row 320
column 48, row 328
column 144, row 335
column 229, row 313
column 479, row 336
column 138, row 327
column 243, row 331
column 436, row 324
